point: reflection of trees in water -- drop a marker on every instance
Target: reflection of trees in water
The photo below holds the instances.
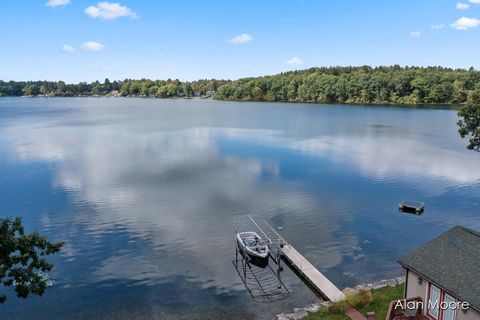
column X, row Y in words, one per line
column 263, row 283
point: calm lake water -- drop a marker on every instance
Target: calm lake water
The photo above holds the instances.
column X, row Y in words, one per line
column 144, row 192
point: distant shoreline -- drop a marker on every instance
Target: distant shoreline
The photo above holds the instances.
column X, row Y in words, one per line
column 446, row 106
column 363, row 85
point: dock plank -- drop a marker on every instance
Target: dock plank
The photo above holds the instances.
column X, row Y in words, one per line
column 311, row 274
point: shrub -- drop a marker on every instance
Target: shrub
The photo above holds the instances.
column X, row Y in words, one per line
column 360, row 298
column 337, row 307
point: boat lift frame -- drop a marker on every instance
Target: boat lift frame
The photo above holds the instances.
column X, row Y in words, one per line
column 278, row 249
column 263, row 284
column 266, row 231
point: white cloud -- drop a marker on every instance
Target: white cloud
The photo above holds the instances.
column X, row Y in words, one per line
column 474, row 1
column 415, row 34
column 92, row 46
column 241, row 38
column 437, row 26
column 294, row 61
column 465, row 23
column 56, row 3
column 68, row 48
column 109, row 11
column 462, row 6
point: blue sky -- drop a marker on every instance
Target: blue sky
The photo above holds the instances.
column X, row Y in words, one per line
column 85, row 40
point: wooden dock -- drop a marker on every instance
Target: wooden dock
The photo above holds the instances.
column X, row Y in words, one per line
column 311, row 274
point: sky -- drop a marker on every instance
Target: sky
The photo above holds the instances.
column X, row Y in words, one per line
column 88, row 40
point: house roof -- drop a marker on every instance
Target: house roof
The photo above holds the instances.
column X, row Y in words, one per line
column 452, row 262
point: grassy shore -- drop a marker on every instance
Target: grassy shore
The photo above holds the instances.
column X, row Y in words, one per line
column 381, row 301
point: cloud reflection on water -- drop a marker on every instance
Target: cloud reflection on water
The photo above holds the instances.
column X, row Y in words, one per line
column 179, row 192
column 175, row 190
column 170, row 193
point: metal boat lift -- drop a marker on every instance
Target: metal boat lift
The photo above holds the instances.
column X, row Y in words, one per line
column 279, row 248
column 263, row 283
column 264, row 230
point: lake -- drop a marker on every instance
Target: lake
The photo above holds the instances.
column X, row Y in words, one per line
column 144, row 191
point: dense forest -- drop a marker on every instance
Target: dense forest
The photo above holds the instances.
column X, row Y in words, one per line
column 382, row 85
column 144, row 88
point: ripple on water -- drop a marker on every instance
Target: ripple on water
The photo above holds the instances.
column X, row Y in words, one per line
column 144, row 196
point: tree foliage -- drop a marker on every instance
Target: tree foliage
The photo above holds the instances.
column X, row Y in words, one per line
column 380, row 85
column 22, row 262
column 128, row 87
column 469, row 125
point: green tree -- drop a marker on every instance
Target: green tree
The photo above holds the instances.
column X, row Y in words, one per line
column 83, row 88
column 61, row 87
column 152, row 91
column 107, row 86
column 43, row 89
column 187, row 89
column 459, row 91
column 172, row 89
column 96, row 87
column 30, row 90
column 21, row 258
column 161, row 92
column 469, row 125
column 134, row 88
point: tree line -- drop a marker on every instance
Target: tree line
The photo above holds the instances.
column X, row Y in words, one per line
column 144, row 88
column 358, row 85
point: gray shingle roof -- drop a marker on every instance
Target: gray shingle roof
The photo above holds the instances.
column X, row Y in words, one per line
column 451, row 261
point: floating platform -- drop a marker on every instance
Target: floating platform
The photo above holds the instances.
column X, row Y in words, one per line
column 311, row 274
column 410, row 206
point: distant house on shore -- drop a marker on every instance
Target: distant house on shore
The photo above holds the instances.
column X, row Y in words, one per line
column 445, row 274
column 210, row 93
